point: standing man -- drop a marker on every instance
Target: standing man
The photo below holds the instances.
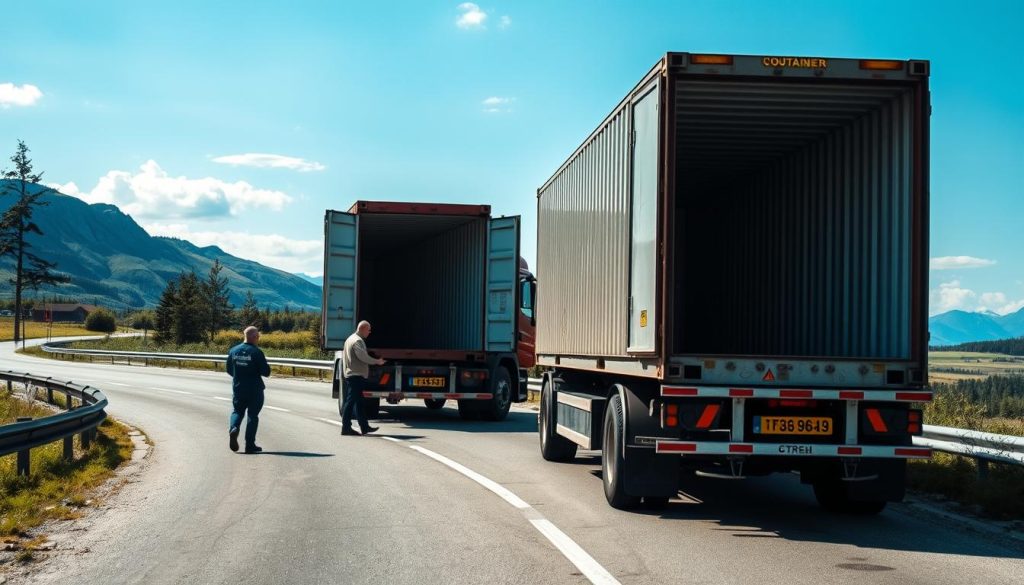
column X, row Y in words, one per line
column 247, row 365
column 356, row 362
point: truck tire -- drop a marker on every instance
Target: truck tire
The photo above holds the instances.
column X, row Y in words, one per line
column 832, row 495
column 553, row 447
column 613, row 464
column 469, row 410
column 497, row 407
column 434, row 404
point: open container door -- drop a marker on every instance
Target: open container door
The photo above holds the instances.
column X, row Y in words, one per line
column 643, row 276
column 339, row 293
column 502, row 278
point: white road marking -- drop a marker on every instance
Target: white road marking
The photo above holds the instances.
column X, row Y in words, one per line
column 117, row 384
column 276, row 408
column 392, row 439
column 221, row 398
column 328, row 421
column 586, row 564
column 170, row 390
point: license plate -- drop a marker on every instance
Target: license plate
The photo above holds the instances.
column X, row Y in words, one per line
column 432, row 382
column 792, row 425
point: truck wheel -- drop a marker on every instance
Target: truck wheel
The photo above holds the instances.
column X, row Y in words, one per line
column 469, row 410
column 371, row 407
column 553, row 447
column 433, row 404
column 497, row 407
column 831, row 495
column 613, row 465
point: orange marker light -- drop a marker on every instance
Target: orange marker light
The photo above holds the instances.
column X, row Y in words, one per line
column 711, row 59
column 881, row 65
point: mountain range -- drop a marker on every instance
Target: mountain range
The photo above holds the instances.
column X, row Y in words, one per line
column 115, row 263
column 955, row 327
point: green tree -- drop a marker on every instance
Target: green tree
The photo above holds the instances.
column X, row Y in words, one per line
column 30, row 270
column 216, row 298
column 164, row 319
column 250, row 314
column 144, row 320
column 101, row 320
column 190, row 310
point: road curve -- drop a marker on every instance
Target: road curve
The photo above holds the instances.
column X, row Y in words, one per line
column 321, row 508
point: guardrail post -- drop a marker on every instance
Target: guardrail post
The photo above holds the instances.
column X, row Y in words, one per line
column 8, row 386
column 86, row 439
column 293, row 371
column 982, row 469
column 23, row 456
column 49, row 395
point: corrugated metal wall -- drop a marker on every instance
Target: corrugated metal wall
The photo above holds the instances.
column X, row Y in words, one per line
column 786, row 249
column 425, row 290
column 583, row 249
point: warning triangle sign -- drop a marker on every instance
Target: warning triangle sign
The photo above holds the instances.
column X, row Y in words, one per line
column 769, row 376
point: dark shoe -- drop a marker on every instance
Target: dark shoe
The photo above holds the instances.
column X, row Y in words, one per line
column 250, row 449
column 349, row 432
column 233, row 439
column 368, row 430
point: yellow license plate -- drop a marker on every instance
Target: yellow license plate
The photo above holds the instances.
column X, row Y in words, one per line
column 429, row 382
column 793, row 425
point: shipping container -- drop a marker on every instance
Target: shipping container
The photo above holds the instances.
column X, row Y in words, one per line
column 751, row 223
column 448, row 297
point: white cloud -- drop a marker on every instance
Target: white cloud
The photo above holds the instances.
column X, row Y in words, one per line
column 152, row 193
column 269, row 161
column 495, row 104
column 954, row 262
column 471, row 16
column 267, row 249
column 505, row 22
column 18, row 95
column 951, row 295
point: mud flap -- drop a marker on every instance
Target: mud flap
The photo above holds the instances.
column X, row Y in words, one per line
column 646, row 474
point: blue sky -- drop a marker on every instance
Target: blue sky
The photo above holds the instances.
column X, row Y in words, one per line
column 154, row 106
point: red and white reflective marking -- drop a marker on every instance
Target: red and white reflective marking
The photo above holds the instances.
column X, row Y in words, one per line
column 790, row 450
column 430, row 395
column 816, row 394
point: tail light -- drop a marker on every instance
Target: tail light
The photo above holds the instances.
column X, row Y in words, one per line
column 914, row 426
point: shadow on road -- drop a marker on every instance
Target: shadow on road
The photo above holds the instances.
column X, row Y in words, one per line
column 293, row 454
column 418, row 417
column 781, row 507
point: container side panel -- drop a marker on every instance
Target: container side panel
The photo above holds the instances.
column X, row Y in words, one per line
column 583, row 248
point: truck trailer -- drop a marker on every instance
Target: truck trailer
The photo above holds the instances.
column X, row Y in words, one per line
column 734, row 271
column 449, row 298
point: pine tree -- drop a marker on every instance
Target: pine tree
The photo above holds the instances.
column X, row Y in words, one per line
column 216, row 298
column 250, row 314
column 164, row 326
column 189, row 311
column 30, row 271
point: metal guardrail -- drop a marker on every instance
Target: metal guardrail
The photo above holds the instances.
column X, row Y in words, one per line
column 982, row 446
column 21, row 436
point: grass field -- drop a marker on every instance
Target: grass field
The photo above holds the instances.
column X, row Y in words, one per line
column 55, row 489
column 34, row 330
column 950, row 366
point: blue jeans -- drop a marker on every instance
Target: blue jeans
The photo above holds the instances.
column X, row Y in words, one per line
column 251, row 402
column 353, row 402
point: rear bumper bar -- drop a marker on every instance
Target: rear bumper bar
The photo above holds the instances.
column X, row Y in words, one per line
column 673, row 447
column 781, row 393
column 430, row 395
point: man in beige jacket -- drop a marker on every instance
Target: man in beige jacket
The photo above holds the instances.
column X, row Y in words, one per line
column 356, row 362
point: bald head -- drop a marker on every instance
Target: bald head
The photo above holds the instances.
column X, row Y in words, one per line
column 252, row 334
column 363, row 329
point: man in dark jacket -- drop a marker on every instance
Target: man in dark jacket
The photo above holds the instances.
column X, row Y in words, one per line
column 247, row 365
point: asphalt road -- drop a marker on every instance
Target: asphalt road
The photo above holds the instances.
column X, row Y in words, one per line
column 444, row 501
